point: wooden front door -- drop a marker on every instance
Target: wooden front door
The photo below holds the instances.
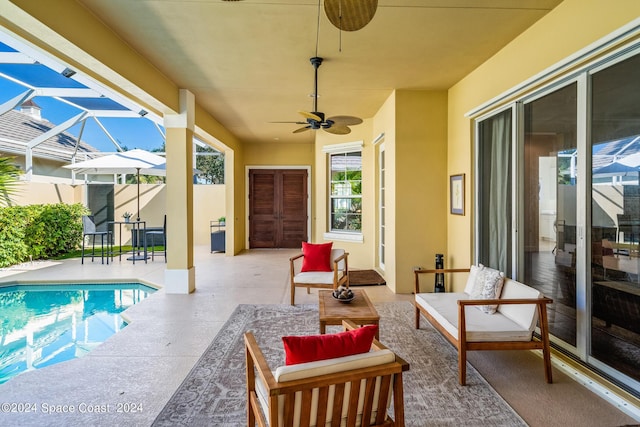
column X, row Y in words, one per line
column 277, row 208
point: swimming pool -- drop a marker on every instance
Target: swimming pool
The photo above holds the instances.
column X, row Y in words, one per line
column 46, row 324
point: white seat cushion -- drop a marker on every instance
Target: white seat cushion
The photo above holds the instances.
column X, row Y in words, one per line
column 480, row 326
column 314, row 277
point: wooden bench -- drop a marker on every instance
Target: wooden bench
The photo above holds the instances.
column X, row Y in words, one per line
column 511, row 328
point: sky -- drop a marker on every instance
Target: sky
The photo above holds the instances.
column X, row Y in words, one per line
column 130, row 132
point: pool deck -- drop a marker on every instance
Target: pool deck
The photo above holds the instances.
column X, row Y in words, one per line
column 144, row 363
column 127, row 380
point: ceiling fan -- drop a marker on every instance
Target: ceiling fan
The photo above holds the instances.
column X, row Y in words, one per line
column 315, row 120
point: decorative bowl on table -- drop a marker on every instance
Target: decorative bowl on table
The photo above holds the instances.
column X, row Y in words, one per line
column 343, row 294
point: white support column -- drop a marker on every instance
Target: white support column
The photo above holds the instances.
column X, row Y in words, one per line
column 180, row 272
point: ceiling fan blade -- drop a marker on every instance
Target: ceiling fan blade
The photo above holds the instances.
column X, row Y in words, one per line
column 311, row 116
column 346, row 120
column 297, row 123
column 338, row 130
column 302, row 129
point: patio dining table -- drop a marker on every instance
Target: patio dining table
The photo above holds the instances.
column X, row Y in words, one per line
column 136, row 237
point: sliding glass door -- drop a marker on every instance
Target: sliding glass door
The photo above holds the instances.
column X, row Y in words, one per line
column 615, row 216
column 558, row 207
column 548, row 229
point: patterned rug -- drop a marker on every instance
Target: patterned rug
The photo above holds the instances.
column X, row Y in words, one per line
column 213, row 393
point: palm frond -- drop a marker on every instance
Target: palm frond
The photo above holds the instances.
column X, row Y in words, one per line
column 9, row 178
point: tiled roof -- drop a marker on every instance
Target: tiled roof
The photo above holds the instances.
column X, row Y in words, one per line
column 17, row 129
column 611, row 151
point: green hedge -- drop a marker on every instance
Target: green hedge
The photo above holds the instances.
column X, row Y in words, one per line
column 39, row 231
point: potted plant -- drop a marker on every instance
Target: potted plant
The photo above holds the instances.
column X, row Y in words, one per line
column 127, row 216
column 221, row 221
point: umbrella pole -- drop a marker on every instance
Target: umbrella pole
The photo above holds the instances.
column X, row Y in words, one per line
column 138, row 184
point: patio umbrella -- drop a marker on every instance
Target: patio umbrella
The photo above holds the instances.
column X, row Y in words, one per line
column 126, row 162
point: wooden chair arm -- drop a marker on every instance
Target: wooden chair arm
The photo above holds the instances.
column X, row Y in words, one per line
column 538, row 301
column 417, row 274
column 292, row 266
column 344, row 257
column 259, row 360
column 293, row 258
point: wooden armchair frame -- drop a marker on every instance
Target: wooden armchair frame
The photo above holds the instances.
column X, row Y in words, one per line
column 390, row 374
column 460, row 341
column 340, row 277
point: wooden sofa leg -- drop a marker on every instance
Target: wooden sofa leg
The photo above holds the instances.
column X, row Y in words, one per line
column 417, row 318
column 544, row 336
column 293, row 294
column 462, row 366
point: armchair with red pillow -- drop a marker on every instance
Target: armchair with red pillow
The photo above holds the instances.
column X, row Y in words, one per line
column 320, row 265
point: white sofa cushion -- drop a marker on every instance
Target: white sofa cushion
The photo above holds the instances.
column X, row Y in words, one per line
column 480, row 326
column 525, row 315
column 324, row 367
column 471, row 279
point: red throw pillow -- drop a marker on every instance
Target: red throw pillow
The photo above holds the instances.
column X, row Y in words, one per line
column 317, row 257
column 320, row 347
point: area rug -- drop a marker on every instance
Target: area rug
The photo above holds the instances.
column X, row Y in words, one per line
column 365, row 278
column 213, row 393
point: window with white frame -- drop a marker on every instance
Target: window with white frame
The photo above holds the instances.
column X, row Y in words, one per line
column 345, row 188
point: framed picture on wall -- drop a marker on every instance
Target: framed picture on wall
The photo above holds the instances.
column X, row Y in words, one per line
column 456, row 191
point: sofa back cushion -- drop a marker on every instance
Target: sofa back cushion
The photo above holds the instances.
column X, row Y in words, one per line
column 526, row 315
column 471, row 279
column 332, row 366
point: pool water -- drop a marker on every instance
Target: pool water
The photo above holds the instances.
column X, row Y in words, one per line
column 46, row 324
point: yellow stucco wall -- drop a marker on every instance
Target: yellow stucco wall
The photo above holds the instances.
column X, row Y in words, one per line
column 384, row 123
column 415, row 131
column 30, row 193
column 421, row 182
column 278, row 154
column 570, row 27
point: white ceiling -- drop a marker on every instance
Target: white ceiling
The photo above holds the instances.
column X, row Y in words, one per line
column 247, row 61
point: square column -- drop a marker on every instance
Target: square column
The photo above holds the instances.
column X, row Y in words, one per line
column 180, row 272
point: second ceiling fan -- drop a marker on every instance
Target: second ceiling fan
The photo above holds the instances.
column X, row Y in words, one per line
column 315, row 119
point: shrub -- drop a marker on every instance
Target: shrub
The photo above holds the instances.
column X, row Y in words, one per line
column 39, row 231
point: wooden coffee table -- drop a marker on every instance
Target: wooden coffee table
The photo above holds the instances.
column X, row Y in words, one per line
column 360, row 310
